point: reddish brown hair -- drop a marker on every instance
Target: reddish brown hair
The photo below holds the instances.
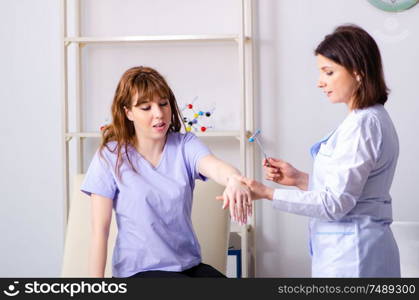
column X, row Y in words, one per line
column 143, row 83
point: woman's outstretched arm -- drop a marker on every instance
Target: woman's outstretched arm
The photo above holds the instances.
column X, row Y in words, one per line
column 236, row 194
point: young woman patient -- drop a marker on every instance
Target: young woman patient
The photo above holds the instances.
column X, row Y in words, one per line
column 145, row 169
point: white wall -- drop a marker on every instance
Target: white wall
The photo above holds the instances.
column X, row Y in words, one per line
column 31, row 214
column 294, row 114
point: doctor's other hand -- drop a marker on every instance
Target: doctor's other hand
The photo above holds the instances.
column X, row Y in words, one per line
column 258, row 191
column 284, row 173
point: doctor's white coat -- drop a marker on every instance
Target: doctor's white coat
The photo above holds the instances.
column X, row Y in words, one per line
column 349, row 200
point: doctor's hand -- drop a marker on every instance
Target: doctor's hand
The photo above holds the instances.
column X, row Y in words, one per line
column 258, row 191
column 284, row 173
column 237, row 197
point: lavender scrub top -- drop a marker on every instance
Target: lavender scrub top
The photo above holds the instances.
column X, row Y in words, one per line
column 153, row 206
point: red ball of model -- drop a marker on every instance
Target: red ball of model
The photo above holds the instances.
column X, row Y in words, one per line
column 203, row 129
column 190, row 106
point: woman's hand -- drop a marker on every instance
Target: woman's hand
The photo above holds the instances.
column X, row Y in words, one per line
column 257, row 191
column 238, row 198
column 284, row 173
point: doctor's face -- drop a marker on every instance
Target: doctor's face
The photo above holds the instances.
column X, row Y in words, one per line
column 337, row 83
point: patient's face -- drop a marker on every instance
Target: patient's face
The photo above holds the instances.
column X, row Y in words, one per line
column 151, row 117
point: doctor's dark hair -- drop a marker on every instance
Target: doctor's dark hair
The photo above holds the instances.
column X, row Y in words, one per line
column 136, row 85
column 353, row 48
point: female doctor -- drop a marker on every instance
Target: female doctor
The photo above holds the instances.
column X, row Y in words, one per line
column 347, row 195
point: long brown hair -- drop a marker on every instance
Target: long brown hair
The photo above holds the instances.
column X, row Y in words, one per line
column 143, row 83
column 353, row 48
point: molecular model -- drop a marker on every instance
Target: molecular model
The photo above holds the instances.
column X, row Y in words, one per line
column 195, row 118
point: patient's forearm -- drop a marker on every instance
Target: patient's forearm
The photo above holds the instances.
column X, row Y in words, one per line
column 98, row 254
column 225, row 173
column 218, row 170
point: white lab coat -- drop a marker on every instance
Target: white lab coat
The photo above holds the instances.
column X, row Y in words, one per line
column 348, row 198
